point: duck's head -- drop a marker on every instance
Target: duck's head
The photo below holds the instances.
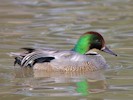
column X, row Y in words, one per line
column 91, row 40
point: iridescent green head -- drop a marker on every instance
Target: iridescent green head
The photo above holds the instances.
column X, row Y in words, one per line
column 91, row 40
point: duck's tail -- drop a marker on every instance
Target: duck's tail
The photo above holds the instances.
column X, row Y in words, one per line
column 30, row 57
column 17, row 56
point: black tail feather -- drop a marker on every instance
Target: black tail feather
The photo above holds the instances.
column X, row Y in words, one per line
column 17, row 61
column 42, row 60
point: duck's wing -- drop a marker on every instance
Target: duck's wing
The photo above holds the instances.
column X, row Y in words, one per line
column 31, row 56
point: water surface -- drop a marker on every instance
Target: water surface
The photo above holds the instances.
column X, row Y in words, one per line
column 58, row 24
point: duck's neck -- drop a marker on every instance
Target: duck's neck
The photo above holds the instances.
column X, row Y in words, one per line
column 83, row 44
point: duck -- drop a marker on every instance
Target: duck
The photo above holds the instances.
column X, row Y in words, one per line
column 83, row 57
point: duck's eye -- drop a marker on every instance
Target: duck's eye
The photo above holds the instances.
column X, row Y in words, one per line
column 97, row 40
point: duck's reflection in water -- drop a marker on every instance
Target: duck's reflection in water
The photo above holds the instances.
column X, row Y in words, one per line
column 76, row 83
